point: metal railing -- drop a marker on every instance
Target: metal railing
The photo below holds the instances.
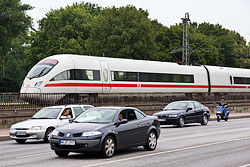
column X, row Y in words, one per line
column 10, row 101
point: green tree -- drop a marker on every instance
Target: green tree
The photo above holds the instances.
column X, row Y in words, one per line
column 13, row 22
column 62, row 31
column 230, row 44
column 124, row 32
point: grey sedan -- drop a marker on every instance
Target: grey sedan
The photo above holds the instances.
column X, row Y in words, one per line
column 105, row 130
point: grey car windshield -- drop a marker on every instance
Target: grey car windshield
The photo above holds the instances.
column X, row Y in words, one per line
column 97, row 116
column 47, row 113
column 176, row 106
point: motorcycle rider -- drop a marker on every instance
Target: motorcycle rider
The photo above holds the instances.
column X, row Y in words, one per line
column 224, row 104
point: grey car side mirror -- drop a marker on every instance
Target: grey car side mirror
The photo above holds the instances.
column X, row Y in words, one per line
column 189, row 109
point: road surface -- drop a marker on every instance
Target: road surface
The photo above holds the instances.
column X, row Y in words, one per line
column 223, row 144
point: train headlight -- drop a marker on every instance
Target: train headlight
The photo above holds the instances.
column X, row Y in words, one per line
column 38, row 84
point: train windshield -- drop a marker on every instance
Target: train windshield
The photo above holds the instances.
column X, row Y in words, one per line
column 42, row 68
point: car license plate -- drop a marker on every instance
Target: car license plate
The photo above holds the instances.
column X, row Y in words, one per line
column 67, row 142
column 162, row 120
column 20, row 133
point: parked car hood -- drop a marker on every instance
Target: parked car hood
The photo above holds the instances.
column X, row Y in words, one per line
column 35, row 122
column 168, row 112
column 81, row 127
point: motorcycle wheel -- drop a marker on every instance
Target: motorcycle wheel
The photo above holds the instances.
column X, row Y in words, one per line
column 218, row 119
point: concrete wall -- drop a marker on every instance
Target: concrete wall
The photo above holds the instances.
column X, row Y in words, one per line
column 9, row 117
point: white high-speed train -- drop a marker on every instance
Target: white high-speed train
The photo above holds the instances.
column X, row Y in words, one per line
column 92, row 75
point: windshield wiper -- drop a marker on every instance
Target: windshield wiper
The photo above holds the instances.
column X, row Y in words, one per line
column 33, row 118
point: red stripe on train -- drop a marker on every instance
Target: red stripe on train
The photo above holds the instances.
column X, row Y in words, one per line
column 135, row 85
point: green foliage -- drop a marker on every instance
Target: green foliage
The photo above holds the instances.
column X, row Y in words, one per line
column 123, row 32
column 62, row 31
column 13, row 22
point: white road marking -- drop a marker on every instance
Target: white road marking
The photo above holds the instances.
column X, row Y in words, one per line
column 247, row 165
column 166, row 152
column 33, row 155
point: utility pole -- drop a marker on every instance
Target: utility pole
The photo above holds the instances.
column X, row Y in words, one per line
column 185, row 44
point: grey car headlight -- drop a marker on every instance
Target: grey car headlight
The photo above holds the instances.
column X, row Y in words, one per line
column 172, row 116
column 36, row 128
column 55, row 133
column 91, row 133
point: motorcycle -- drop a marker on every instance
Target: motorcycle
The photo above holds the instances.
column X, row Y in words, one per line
column 221, row 115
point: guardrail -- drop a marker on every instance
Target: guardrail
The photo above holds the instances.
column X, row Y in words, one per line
column 14, row 101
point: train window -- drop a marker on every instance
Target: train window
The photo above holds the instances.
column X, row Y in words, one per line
column 125, row 76
column 151, row 77
column 87, row 75
column 131, row 76
column 241, row 80
column 144, row 77
column 165, row 78
column 65, row 75
column 119, row 76
column 177, row 78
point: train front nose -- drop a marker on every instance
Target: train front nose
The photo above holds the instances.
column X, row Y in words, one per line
column 30, row 90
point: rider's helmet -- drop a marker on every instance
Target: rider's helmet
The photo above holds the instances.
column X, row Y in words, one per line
column 222, row 97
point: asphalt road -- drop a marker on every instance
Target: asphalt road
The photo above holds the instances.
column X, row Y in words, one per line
column 224, row 144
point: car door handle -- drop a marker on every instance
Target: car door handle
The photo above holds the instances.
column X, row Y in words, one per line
column 138, row 125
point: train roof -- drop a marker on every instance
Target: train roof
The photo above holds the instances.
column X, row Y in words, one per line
column 107, row 58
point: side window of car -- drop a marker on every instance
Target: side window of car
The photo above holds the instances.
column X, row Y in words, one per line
column 66, row 114
column 190, row 105
column 197, row 105
column 78, row 111
column 129, row 114
column 139, row 115
column 87, row 107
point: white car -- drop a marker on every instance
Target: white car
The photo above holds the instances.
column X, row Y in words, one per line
column 41, row 124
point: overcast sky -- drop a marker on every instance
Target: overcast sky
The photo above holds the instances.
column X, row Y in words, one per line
column 231, row 14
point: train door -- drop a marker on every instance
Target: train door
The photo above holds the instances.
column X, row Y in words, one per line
column 105, row 77
column 231, row 80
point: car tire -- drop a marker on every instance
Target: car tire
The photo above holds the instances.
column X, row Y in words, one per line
column 151, row 141
column 204, row 120
column 108, row 147
column 62, row 153
column 47, row 133
column 20, row 141
column 181, row 122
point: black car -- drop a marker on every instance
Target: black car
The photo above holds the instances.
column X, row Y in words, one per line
column 183, row 112
column 105, row 130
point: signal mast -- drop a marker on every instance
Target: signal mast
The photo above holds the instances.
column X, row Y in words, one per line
column 185, row 44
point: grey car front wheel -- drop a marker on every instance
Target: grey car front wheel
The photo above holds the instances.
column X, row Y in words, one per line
column 108, row 149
